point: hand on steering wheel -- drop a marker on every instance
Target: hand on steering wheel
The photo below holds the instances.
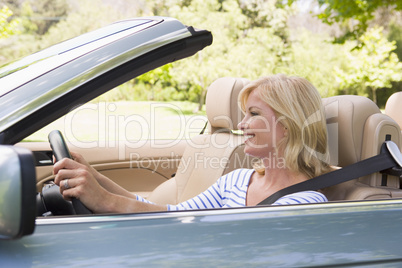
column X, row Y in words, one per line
column 60, row 151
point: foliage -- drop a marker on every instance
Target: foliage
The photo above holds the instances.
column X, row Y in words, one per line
column 81, row 18
column 161, row 83
column 314, row 57
column 250, row 40
column 29, row 27
column 38, row 16
column 395, row 34
column 7, row 27
column 372, row 67
column 360, row 11
column 74, row 24
column 49, row 13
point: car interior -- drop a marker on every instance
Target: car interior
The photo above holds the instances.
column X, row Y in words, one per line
column 356, row 128
column 209, row 156
column 393, row 107
column 359, row 132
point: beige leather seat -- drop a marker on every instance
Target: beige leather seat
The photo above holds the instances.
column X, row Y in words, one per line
column 393, row 107
column 209, row 156
column 357, row 129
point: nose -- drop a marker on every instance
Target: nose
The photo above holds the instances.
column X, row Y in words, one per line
column 242, row 125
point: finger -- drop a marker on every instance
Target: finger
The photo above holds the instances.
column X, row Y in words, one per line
column 76, row 190
column 77, row 157
column 69, row 193
column 69, row 188
column 64, row 174
column 64, row 163
column 80, row 159
column 66, row 184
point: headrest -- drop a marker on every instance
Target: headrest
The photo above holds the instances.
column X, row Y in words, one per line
column 222, row 106
column 346, row 118
column 393, row 107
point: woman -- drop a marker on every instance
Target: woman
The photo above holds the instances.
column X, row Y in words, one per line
column 285, row 128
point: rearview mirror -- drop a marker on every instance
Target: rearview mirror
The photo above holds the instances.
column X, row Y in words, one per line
column 17, row 192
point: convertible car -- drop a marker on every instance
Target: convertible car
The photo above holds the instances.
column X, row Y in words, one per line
column 360, row 226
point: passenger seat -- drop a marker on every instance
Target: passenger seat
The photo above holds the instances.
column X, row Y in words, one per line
column 393, row 107
column 209, row 156
column 356, row 131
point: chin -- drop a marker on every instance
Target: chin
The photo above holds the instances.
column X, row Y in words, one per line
column 260, row 152
column 252, row 152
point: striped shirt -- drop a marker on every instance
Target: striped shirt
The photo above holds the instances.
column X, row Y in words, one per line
column 230, row 191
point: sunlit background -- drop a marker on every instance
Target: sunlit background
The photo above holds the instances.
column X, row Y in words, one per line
column 341, row 46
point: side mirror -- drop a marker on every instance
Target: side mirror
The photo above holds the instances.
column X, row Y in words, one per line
column 17, row 192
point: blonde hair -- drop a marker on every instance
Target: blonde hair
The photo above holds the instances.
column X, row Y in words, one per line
column 297, row 105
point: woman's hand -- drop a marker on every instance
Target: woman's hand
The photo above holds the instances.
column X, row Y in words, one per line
column 80, row 159
column 77, row 178
column 98, row 193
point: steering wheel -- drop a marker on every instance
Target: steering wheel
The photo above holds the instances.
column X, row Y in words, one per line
column 50, row 199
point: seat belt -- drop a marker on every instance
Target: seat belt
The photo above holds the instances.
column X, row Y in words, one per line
column 389, row 159
column 203, row 129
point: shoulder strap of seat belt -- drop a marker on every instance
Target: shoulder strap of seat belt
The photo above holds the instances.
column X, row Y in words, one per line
column 203, row 129
column 385, row 160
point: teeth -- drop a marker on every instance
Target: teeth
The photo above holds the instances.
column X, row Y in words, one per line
column 248, row 136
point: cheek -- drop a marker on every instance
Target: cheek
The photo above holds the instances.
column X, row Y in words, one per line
column 261, row 123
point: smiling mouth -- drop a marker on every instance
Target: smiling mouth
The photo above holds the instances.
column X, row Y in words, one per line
column 249, row 136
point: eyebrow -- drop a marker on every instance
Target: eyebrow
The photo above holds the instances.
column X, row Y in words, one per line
column 254, row 107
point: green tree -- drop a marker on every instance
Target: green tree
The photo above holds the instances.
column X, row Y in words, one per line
column 40, row 15
column 76, row 18
column 161, row 84
column 395, row 34
column 358, row 12
column 372, row 67
column 314, row 57
column 81, row 19
column 7, row 28
column 250, row 40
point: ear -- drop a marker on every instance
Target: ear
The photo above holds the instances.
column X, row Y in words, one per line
column 285, row 131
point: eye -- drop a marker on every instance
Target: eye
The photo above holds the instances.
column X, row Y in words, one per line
column 254, row 113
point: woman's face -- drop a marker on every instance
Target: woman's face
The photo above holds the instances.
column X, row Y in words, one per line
column 260, row 127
